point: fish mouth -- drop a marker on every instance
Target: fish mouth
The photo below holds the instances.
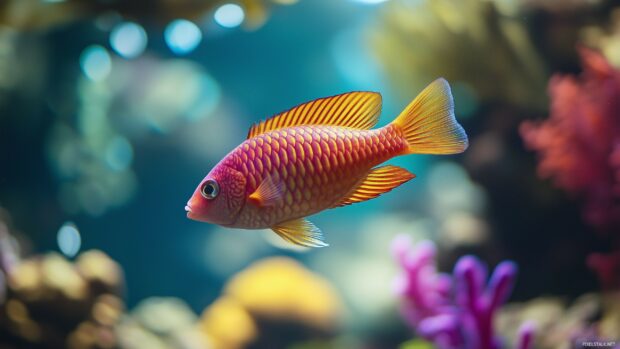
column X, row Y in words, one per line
column 193, row 215
column 190, row 214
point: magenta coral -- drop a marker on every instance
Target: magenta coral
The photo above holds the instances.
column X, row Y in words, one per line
column 579, row 145
column 454, row 312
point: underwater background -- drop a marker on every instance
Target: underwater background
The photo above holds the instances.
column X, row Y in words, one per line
column 112, row 111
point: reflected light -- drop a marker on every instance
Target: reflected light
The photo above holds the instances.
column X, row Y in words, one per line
column 128, row 39
column 69, row 240
column 353, row 59
column 370, row 2
column 452, row 190
column 229, row 15
column 179, row 89
column 182, row 36
column 95, row 62
column 119, row 154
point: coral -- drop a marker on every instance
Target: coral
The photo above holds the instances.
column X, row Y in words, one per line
column 228, row 324
column 160, row 323
column 300, row 295
column 453, row 311
column 273, row 303
column 53, row 303
column 47, row 301
column 578, row 145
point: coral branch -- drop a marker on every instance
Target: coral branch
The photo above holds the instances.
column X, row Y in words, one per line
column 453, row 311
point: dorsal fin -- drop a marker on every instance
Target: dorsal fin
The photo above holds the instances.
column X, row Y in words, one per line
column 378, row 181
column 354, row 109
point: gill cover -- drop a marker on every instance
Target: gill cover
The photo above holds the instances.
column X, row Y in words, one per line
column 232, row 191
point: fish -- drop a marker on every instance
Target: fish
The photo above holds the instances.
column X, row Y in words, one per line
column 320, row 155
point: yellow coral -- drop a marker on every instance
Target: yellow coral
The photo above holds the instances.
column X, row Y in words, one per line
column 281, row 287
column 275, row 288
column 227, row 324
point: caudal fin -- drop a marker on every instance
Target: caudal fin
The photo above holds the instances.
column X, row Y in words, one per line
column 428, row 123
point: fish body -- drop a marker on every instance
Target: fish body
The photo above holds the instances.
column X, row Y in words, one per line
column 319, row 155
column 307, row 160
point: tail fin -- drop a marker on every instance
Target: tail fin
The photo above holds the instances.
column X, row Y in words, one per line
column 428, row 123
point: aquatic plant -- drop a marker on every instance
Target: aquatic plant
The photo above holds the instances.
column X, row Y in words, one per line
column 578, row 146
column 416, row 41
column 453, row 311
column 605, row 39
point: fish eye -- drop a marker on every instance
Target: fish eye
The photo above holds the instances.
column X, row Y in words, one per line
column 210, row 189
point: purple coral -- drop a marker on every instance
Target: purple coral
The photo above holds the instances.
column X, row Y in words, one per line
column 454, row 312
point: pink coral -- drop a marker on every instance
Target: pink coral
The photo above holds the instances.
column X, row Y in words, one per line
column 579, row 145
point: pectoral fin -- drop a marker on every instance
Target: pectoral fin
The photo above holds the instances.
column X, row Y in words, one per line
column 380, row 180
column 268, row 193
column 300, row 232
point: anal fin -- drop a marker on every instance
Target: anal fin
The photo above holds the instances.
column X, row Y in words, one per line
column 380, row 180
column 300, row 232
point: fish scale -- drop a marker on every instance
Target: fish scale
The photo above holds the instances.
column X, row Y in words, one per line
column 307, row 159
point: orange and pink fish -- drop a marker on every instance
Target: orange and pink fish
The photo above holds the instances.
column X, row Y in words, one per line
column 319, row 155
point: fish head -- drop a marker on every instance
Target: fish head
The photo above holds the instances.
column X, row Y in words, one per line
column 219, row 197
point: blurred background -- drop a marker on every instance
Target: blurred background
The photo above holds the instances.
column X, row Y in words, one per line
column 112, row 111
